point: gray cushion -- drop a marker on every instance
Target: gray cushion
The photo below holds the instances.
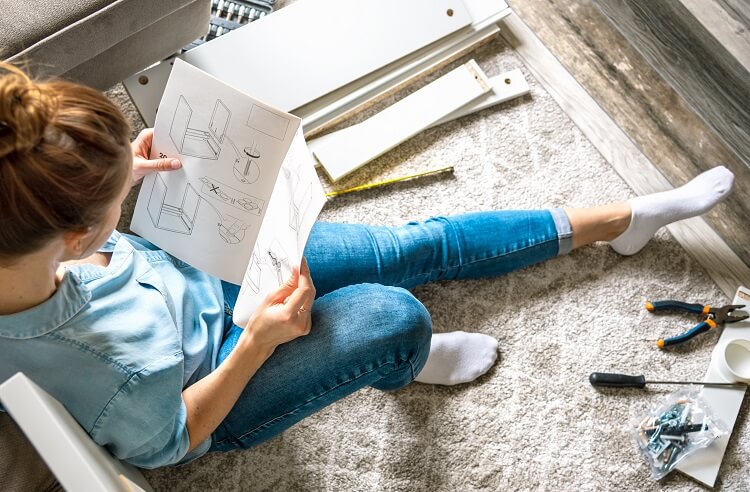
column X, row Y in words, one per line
column 25, row 23
column 151, row 44
column 60, row 35
column 21, row 468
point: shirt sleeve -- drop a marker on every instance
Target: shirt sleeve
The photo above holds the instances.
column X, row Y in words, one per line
column 145, row 421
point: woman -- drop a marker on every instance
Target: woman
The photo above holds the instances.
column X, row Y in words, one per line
column 140, row 346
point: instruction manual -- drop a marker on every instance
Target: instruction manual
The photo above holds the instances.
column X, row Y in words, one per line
column 243, row 204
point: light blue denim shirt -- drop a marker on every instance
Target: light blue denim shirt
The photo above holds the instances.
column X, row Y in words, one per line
column 117, row 345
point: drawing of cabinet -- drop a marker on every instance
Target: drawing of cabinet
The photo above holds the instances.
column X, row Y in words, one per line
column 176, row 218
column 194, row 141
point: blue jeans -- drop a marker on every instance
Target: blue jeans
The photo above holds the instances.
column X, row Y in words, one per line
column 367, row 330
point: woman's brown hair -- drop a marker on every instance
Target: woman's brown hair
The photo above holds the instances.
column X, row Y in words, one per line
column 64, row 157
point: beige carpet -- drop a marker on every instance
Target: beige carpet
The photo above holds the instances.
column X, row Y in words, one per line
column 533, row 422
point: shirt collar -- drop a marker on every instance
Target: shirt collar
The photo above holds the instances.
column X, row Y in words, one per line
column 69, row 298
column 109, row 246
column 120, row 250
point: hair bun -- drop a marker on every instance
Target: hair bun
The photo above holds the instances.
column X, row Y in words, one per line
column 25, row 111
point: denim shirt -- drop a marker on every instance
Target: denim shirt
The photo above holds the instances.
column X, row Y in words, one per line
column 117, row 345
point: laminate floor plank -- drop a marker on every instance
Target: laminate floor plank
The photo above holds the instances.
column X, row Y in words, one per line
column 692, row 60
column 652, row 114
column 728, row 21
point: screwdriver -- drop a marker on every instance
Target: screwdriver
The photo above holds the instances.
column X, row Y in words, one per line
column 610, row 380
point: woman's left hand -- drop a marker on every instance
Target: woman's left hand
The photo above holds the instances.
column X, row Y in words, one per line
column 142, row 165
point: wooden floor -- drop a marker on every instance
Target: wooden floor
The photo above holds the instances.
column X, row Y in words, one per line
column 652, row 114
column 696, row 64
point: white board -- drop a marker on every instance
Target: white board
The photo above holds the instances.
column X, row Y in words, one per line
column 402, row 120
column 307, row 58
column 725, row 402
column 506, row 86
column 74, row 458
column 319, row 108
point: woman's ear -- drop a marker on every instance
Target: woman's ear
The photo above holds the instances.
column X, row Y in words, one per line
column 75, row 243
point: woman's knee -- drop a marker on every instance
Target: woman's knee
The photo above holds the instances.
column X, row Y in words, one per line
column 409, row 321
column 404, row 337
column 385, row 318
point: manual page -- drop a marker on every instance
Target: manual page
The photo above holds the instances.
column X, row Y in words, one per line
column 295, row 204
column 232, row 146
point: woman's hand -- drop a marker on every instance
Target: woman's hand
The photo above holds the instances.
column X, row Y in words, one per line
column 285, row 313
column 277, row 320
column 142, row 165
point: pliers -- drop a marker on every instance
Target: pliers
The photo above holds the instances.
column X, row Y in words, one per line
column 710, row 318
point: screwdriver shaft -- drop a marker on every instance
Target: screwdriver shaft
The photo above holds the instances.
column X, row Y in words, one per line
column 703, row 383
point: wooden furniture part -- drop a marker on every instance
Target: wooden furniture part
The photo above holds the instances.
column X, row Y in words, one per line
column 506, row 86
column 342, row 154
column 287, row 76
column 75, row 459
column 725, row 403
column 312, row 78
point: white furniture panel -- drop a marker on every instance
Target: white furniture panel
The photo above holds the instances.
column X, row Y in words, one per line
column 319, row 107
column 725, row 402
column 290, row 58
column 77, row 461
column 402, row 120
column 506, row 86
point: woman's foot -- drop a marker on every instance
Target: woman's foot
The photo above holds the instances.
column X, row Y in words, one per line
column 651, row 212
column 458, row 357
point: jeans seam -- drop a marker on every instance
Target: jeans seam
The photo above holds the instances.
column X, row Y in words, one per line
column 411, row 364
column 473, row 262
column 293, row 411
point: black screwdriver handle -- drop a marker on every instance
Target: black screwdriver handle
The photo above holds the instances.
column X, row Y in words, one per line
column 617, row 380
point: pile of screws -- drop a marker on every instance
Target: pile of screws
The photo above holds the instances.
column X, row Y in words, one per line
column 666, row 436
column 673, row 431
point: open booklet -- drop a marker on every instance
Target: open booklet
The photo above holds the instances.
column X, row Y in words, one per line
column 242, row 206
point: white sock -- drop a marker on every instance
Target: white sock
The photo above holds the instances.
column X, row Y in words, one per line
column 651, row 212
column 458, row 357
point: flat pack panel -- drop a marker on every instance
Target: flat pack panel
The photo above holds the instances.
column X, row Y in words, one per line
column 725, row 402
column 506, row 86
column 75, row 459
column 307, row 60
column 145, row 88
column 402, row 120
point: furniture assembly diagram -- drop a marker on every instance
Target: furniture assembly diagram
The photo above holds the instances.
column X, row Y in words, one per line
column 226, row 195
column 300, row 197
column 196, row 142
column 176, row 218
column 273, row 260
column 209, row 144
column 245, row 165
column 268, row 123
column 181, row 218
column 232, row 230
